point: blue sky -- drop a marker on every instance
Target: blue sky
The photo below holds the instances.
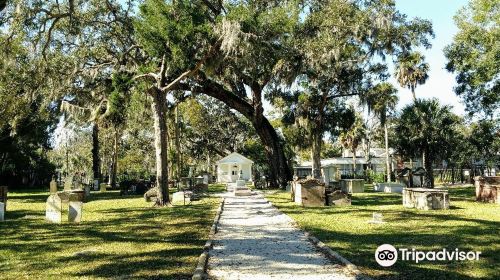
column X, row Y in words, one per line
column 441, row 82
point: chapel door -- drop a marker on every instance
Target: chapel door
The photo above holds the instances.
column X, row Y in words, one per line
column 234, row 173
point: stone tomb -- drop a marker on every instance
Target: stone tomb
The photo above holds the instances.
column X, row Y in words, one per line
column 352, row 185
column 487, row 189
column 62, row 203
column 338, row 198
column 426, row 199
column 309, row 193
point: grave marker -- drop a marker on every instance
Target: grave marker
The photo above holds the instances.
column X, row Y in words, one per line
column 53, row 186
column 53, row 209
column 377, row 218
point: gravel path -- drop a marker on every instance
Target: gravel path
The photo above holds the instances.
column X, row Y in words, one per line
column 256, row 241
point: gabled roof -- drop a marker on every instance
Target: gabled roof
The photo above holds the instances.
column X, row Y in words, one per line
column 234, row 158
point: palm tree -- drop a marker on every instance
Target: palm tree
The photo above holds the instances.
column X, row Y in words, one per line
column 381, row 99
column 426, row 127
column 351, row 139
column 411, row 70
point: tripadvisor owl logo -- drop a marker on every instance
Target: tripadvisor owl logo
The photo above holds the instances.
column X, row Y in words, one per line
column 386, row 255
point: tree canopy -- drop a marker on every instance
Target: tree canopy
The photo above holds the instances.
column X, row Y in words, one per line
column 474, row 56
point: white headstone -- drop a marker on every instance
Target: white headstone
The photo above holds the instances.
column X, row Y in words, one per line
column 75, row 211
column 205, row 179
column 53, row 186
column 181, row 198
column 2, row 212
column 378, row 218
column 53, row 209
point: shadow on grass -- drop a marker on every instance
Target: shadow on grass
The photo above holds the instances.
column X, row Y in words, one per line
column 362, row 247
column 182, row 229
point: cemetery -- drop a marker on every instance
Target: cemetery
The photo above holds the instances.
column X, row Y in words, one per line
column 466, row 223
column 249, row 140
column 110, row 236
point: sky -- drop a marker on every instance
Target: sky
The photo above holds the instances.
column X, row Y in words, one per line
column 440, row 83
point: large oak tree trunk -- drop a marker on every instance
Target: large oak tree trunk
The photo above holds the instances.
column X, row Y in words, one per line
column 278, row 166
column 279, row 171
column 316, row 154
column 96, row 161
column 159, row 116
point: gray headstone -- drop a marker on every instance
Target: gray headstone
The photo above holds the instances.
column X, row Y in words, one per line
column 2, row 212
column 205, row 179
column 53, row 186
column 53, row 209
column 75, row 211
column 87, row 191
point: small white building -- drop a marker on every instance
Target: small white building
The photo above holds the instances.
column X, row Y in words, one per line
column 234, row 167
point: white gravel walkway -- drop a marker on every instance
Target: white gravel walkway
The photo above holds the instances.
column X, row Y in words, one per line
column 256, row 241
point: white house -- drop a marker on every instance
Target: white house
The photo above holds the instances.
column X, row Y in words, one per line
column 234, row 167
column 333, row 168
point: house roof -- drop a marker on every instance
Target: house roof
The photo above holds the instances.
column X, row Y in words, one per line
column 234, row 158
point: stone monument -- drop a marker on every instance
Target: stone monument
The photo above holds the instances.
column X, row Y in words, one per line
column 53, row 186
column 53, row 211
column 487, row 189
column 426, row 199
column 352, row 185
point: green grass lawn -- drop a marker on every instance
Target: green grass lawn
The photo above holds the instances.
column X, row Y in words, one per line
column 120, row 237
column 467, row 225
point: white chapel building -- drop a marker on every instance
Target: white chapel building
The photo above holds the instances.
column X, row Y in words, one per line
column 234, row 167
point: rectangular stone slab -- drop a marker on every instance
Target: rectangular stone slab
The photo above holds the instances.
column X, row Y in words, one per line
column 53, row 210
column 352, row 185
column 426, row 199
column 313, row 195
column 487, row 189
